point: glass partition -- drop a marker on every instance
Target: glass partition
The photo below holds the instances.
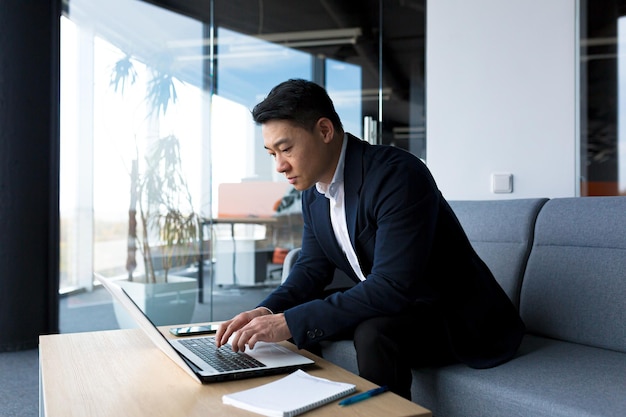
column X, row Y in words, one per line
column 156, row 129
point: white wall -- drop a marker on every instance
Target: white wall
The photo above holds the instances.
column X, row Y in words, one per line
column 501, row 96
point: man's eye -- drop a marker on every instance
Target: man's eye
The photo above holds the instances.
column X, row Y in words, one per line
column 286, row 149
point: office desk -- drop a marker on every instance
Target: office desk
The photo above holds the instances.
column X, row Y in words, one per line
column 121, row 373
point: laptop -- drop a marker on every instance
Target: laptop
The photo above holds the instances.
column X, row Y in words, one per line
column 201, row 359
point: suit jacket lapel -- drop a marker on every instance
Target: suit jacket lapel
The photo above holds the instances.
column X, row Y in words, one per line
column 353, row 179
column 321, row 220
column 324, row 231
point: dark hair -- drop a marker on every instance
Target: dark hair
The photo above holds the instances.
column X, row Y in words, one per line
column 299, row 101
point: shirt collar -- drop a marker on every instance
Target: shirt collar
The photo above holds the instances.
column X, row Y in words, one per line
column 330, row 190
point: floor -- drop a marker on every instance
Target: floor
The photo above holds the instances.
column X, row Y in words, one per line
column 91, row 311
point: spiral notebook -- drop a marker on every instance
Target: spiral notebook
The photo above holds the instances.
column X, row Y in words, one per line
column 289, row 396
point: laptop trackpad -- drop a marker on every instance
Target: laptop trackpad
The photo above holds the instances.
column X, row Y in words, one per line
column 272, row 354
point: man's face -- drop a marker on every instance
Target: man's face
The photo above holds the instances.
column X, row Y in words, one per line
column 304, row 157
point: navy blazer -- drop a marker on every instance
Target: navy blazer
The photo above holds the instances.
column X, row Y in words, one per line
column 411, row 249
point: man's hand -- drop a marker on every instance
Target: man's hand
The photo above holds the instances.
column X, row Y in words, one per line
column 253, row 326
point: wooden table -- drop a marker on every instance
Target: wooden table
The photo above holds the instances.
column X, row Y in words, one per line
column 121, row 373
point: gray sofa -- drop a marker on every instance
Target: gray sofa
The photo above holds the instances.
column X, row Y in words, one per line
column 563, row 264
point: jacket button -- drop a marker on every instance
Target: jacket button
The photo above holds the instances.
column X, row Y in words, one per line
column 312, row 334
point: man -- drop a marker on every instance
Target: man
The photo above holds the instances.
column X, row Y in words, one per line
column 422, row 296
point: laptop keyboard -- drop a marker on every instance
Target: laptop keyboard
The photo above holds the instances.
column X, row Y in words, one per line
column 222, row 359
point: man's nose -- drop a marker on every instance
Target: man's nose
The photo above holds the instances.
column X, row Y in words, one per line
column 281, row 164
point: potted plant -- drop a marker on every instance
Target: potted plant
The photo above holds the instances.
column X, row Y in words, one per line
column 168, row 236
column 162, row 225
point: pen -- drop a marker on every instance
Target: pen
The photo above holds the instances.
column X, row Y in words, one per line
column 364, row 395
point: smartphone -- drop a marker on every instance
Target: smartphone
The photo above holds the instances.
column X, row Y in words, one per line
column 194, row 330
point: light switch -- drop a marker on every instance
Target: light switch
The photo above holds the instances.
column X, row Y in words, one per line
column 501, row 183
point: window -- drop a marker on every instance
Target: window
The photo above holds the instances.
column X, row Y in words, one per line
column 126, row 83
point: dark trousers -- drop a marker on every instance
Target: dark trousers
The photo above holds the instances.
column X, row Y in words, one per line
column 388, row 347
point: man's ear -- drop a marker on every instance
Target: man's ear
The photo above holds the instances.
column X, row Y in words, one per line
column 326, row 129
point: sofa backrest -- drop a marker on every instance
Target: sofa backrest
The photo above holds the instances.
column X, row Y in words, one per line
column 501, row 232
column 574, row 288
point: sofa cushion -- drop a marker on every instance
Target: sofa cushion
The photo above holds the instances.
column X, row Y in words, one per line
column 547, row 378
column 501, row 232
column 574, row 288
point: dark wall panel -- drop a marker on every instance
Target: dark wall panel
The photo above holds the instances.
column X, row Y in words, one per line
column 29, row 155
